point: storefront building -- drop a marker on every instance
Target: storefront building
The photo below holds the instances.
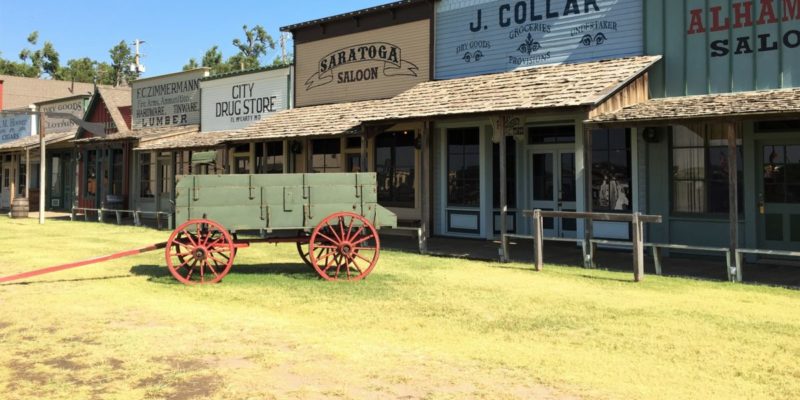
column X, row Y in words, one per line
column 727, row 93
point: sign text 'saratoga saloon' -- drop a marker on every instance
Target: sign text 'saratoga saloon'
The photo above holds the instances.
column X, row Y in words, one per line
column 501, row 36
column 747, row 14
column 167, row 101
column 348, row 62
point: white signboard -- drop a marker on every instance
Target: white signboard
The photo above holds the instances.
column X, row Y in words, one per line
column 475, row 37
column 57, row 125
column 169, row 100
column 237, row 101
column 13, row 127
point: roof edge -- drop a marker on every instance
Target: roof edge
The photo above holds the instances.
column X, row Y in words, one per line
column 352, row 14
column 615, row 89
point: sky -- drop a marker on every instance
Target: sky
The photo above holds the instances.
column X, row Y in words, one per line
column 174, row 31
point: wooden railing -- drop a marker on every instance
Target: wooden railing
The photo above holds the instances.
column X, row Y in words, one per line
column 637, row 220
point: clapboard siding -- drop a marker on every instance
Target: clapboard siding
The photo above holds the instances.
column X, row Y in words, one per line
column 413, row 40
column 500, row 47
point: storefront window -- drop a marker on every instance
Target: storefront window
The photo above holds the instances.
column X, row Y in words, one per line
column 700, row 170
column 269, row 158
column 782, row 174
column 116, row 172
column 34, row 176
column 463, row 167
column 511, row 173
column 394, row 164
column 325, row 156
column 551, row 134
column 55, row 175
column 91, row 173
column 21, row 179
column 611, row 170
column 147, row 177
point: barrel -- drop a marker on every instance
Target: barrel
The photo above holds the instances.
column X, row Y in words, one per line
column 19, row 208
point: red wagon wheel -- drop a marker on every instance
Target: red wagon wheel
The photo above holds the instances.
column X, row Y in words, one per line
column 302, row 249
column 200, row 252
column 344, row 246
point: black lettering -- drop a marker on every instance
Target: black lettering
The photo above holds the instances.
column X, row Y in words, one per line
column 476, row 26
column 549, row 13
column 719, row 48
column 505, row 21
column 593, row 3
column 765, row 46
column 787, row 39
column 534, row 16
column 571, row 7
column 743, row 46
column 520, row 12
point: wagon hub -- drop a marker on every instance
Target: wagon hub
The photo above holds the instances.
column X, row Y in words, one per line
column 200, row 254
column 346, row 249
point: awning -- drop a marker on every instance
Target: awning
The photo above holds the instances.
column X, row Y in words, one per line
column 142, row 134
column 32, row 142
column 757, row 104
column 188, row 140
column 584, row 85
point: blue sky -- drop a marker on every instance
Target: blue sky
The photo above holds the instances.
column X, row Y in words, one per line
column 174, row 30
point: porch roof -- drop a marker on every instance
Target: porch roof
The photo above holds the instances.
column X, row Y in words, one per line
column 32, row 142
column 143, row 134
column 185, row 140
column 555, row 86
column 762, row 103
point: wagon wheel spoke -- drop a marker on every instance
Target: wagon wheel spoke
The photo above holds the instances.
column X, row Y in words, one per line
column 362, row 240
column 350, row 229
column 190, row 237
column 200, row 252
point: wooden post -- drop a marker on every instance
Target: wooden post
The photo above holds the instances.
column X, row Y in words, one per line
column 423, row 185
column 638, row 247
column 42, row 169
column 588, row 227
column 733, row 198
column 28, row 176
column 538, row 238
column 503, row 191
column 363, row 157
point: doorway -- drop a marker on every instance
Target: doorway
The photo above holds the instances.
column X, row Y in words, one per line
column 553, row 188
column 779, row 195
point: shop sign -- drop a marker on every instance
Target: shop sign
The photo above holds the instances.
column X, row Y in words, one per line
column 236, row 102
column 373, row 64
column 13, row 127
column 498, row 36
column 747, row 14
column 58, row 125
column 167, row 101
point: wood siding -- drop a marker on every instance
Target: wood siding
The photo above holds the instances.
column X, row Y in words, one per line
column 314, row 86
column 635, row 92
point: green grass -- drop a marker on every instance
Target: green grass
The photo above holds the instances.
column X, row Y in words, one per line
column 419, row 327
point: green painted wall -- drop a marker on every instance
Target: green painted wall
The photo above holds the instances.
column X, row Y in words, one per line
column 759, row 49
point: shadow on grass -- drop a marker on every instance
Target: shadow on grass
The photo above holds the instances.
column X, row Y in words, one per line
column 101, row 278
column 161, row 274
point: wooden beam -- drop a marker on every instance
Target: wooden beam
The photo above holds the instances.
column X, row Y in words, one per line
column 503, row 189
column 588, row 227
column 733, row 196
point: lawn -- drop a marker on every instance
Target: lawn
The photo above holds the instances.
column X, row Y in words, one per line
column 419, row 327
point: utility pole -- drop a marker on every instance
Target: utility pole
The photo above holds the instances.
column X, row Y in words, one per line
column 42, row 170
column 137, row 65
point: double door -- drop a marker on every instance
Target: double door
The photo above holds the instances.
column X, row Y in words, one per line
column 779, row 196
column 554, row 188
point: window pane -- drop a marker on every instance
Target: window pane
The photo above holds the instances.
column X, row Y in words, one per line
column 511, row 173
column 689, row 197
column 774, row 154
column 688, row 163
column 685, row 137
column 543, row 177
column 463, row 167
column 568, row 177
column 91, row 173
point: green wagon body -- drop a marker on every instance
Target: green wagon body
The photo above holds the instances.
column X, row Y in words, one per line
column 272, row 203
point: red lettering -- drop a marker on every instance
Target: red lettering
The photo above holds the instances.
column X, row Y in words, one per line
column 715, row 26
column 743, row 14
column 767, row 15
column 696, row 25
column 791, row 10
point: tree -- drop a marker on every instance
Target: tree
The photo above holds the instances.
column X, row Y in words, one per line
column 256, row 44
column 192, row 64
column 121, row 59
column 44, row 60
column 78, row 70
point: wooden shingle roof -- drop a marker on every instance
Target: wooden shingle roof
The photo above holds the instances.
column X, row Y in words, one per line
column 762, row 103
column 31, row 142
column 184, row 140
column 556, row 86
column 20, row 92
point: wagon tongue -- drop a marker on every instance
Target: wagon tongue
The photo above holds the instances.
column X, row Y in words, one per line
column 97, row 260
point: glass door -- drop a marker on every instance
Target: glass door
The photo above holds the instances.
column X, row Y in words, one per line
column 779, row 197
column 554, row 189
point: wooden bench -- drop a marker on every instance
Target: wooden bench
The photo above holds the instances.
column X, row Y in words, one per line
column 135, row 214
column 741, row 252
